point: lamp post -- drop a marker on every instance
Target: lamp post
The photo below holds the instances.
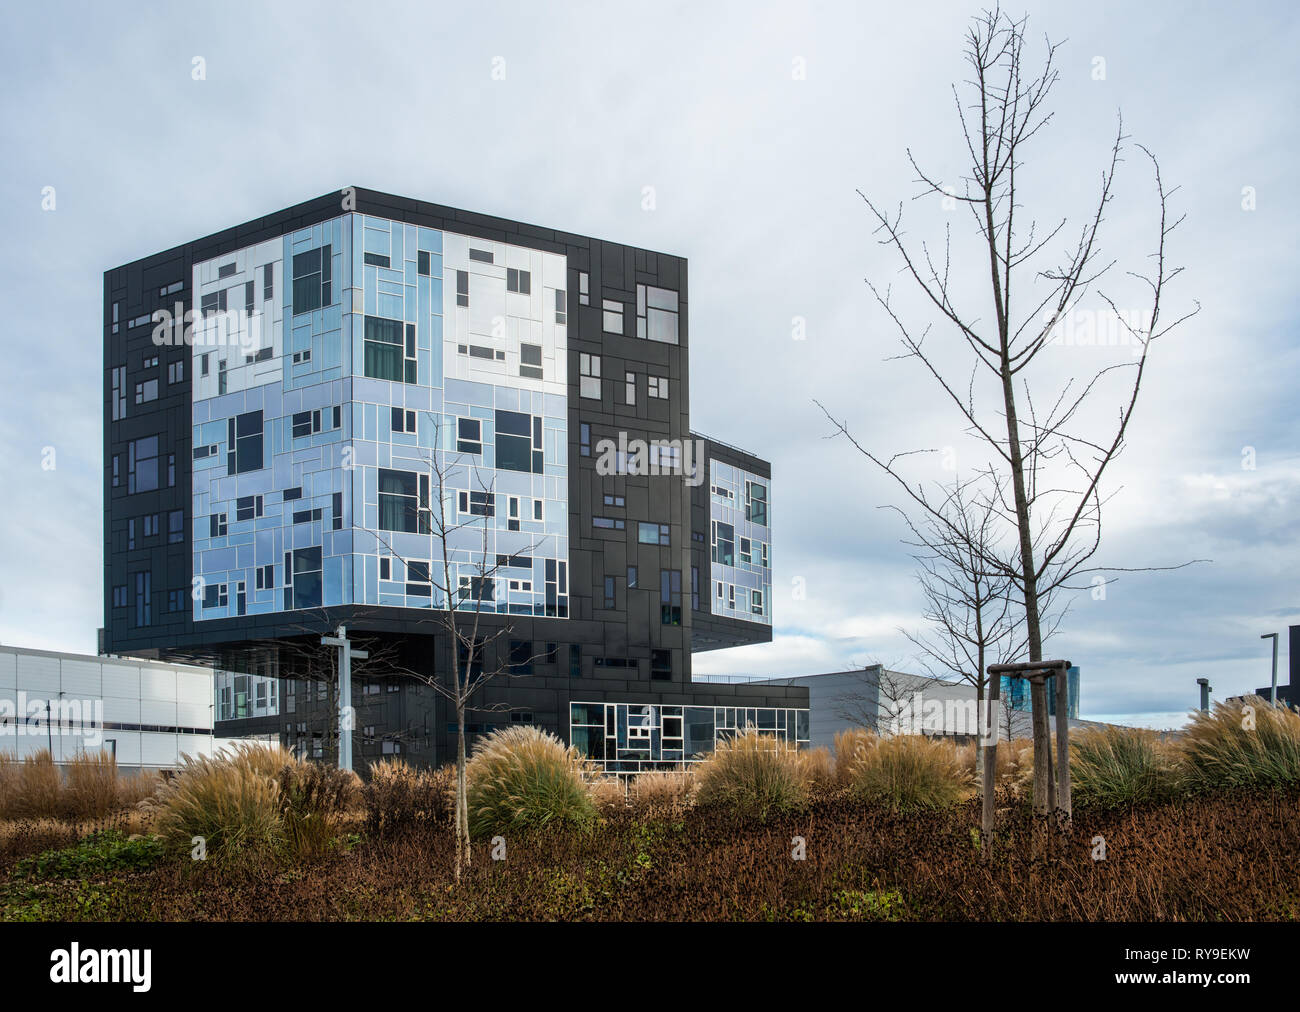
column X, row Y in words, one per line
column 346, row 653
column 1272, row 696
column 1205, row 685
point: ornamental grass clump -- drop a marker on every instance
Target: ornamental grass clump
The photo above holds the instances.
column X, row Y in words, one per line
column 218, row 807
column 521, row 778
column 31, row 788
column 753, row 775
column 905, row 773
column 1119, row 767
column 253, row 800
column 1241, row 745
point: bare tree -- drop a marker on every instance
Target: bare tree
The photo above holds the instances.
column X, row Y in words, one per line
column 1046, row 466
column 879, row 700
column 462, row 580
column 970, row 600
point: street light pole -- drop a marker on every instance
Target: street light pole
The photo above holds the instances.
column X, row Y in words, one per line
column 346, row 653
column 1272, row 696
column 1205, row 685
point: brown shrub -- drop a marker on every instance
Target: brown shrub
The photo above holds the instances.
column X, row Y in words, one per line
column 1169, row 862
column 662, row 794
column 400, row 797
column 608, row 794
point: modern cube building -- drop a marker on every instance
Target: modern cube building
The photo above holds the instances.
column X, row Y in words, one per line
column 308, row 415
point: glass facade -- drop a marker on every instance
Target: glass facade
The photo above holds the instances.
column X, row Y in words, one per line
column 333, row 371
column 636, row 737
column 740, row 543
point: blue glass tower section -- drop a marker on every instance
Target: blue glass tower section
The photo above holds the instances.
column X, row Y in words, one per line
column 1016, row 692
column 360, row 386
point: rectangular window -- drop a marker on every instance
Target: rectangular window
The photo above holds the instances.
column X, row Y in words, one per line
column 656, row 314
column 377, row 260
column 244, row 443
column 119, row 392
column 176, row 600
column 658, row 387
column 469, row 435
column 119, row 596
column 617, row 501
column 518, row 442
column 756, row 502
column 307, row 578
column 575, row 660
column 520, row 282
column 402, row 420
column 175, row 527
column 248, row 507
column 216, row 525
column 423, row 263
column 144, row 599
column 724, row 543
column 311, row 280
column 268, row 281
column 670, row 596
column 150, row 525
column 584, row 439
column 462, row 288
column 589, row 376
column 653, row 534
column 608, row 523
column 521, row 657
column 561, row 307
column 584, row 286
column 478, row 504
column 629, row 385
column 384, row 349
column 142, row 465
column 661, row 669
column 756, row 602
column 609, row 592
column 611, row 316
column 530, row 361
column 176, row 371
column 695, row 588
column 631, row 577
column 399, row 506
column 482, row 256
column 477, row 588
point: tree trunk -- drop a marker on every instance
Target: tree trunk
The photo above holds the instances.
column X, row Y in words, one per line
column 462, row 800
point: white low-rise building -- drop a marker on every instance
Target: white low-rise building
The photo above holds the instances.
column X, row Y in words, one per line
column 145, row 713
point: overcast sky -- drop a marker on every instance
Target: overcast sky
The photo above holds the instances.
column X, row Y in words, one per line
column 754, row 124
